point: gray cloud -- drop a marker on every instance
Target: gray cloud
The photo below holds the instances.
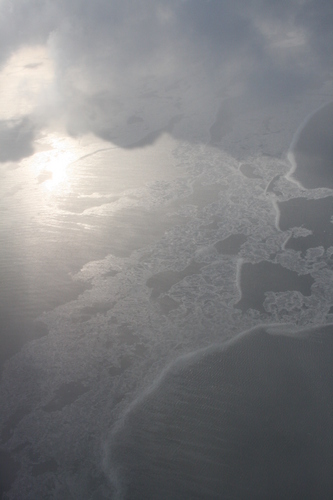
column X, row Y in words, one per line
column 25, row 22
column 16, row 138
column 157, row 59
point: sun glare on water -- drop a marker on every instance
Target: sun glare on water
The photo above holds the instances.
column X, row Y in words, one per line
column 27, row 92
column 50, row 167
column 57, row 167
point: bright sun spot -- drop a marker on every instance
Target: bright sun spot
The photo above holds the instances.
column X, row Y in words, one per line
column 49, row 166
column 55, row 169
column 53, row 164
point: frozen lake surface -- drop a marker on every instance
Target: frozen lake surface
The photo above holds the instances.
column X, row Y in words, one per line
column 127, row 257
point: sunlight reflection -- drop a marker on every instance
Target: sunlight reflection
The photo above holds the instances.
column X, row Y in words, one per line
column 57, row 165
column 50, row 166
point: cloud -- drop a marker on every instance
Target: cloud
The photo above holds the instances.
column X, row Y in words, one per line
column 16, row 139
column 158, row 59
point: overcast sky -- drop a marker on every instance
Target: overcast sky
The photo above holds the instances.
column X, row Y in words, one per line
column 117, row 62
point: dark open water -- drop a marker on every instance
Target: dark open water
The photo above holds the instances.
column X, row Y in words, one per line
column 248, row 420
column 313, row 150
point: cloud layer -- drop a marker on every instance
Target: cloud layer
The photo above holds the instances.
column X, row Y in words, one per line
column 153, row 60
